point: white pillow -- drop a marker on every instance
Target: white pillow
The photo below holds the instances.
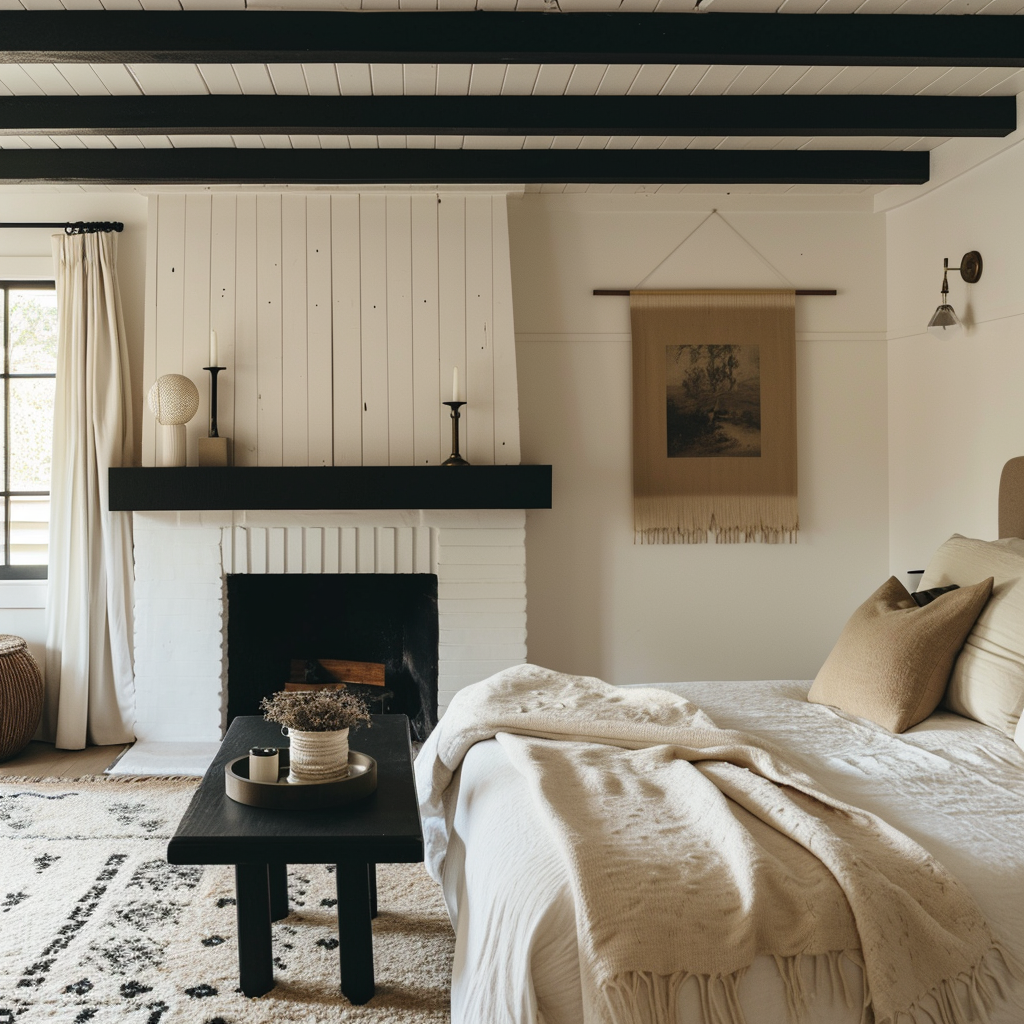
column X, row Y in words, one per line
column 987, row 682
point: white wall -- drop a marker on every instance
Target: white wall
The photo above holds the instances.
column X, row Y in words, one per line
column 955, row 407
column 26, row 253
column 339, row 319
column 600, row 604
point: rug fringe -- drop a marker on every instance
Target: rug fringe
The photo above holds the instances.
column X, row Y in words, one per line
column 23, row 779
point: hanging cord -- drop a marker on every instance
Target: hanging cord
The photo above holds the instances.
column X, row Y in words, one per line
column 714, row 213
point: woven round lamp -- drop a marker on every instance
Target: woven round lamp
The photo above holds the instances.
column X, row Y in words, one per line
column 21, row 695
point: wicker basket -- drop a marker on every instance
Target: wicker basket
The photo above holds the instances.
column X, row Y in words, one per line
column 21, row 695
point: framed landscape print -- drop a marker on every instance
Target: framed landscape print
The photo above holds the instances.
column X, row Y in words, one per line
column 714, row 416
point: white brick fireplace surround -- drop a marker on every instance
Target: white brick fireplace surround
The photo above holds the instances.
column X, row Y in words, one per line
column 182, row 560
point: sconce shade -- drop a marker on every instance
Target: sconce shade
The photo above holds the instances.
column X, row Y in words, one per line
column 945, row 323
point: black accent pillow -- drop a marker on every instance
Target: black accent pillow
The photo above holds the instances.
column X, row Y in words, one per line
column 923, row 597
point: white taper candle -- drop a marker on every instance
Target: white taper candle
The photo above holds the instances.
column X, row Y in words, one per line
column 213, row 348
column 455, row 384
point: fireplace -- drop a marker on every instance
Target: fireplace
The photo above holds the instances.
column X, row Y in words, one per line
column 276, row 618
column 185, row 563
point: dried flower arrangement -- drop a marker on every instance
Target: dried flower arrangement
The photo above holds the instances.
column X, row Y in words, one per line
column 315, row 710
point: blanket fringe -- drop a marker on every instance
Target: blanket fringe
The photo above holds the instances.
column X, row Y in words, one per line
column 642, row 997
column 970, row 996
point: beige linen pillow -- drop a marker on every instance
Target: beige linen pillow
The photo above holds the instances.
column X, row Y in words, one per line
column 892, row 660
column 987, row 682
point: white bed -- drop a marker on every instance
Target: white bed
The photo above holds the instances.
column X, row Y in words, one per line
column 953, row 785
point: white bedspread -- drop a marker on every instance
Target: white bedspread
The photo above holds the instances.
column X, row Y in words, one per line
column 954, row 786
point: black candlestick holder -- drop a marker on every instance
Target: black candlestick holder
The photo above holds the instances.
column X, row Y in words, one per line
column 455, row 459
column 214, row 450
column 213, row 370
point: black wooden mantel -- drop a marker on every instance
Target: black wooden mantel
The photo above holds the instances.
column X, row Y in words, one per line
column 329, row 487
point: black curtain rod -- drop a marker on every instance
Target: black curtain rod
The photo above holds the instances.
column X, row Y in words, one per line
column 79, row 227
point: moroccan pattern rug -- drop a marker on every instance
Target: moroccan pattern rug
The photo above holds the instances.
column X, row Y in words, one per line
column 96, row 926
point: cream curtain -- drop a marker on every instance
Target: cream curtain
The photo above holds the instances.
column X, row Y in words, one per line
column 89, row 675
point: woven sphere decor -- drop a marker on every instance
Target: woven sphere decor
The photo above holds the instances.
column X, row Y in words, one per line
column 173, row 399
column 21, row 695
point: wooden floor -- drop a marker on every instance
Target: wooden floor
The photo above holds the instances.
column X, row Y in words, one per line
column 44, row 760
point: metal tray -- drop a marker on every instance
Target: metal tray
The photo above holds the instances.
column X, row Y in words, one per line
column 360, row 782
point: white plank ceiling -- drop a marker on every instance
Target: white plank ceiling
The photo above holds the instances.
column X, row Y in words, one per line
column 512, row 79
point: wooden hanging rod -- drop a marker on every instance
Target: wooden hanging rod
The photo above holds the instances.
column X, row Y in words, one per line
column 799, row 291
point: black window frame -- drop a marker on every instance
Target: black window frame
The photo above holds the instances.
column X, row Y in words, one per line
column 8, row 571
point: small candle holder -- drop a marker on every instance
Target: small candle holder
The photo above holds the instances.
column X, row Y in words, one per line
column 214, row 450
column 455, row 459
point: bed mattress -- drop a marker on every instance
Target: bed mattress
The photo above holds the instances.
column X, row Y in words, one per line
column 953, row 785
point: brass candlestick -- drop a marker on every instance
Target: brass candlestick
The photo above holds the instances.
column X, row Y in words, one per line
column 455, row 459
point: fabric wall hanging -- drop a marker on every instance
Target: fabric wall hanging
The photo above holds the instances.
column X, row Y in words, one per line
column 714, row 416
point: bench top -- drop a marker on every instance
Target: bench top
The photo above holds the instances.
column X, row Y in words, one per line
column 383, row 828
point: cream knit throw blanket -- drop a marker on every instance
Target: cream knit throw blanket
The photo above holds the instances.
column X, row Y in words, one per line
column 692, row 850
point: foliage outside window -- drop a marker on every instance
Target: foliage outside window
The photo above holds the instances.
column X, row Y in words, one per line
column 28, row 323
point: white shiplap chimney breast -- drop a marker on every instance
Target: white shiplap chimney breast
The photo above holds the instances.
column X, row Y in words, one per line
column 339, row 319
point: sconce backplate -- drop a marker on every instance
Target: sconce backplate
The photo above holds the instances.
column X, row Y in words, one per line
column 970, row 266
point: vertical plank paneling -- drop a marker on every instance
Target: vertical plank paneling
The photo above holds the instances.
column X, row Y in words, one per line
column 319, row 419
column 506, row 385
column 385, row 549
column 149, row 341
column 347, row 353
column 170, row 288
column 403, row 549
column 240, row 549
column 399, row 306
column 479, row 411
column 294, row 349
column 339, row 320
column 294, row 558
column 245, row 332
column 222, row 306
column 313, row 555
column 196, row 326
column 374, row 302
column 421, row 549
column 258, row 549
column 276, row 549
column 366, row 549
column 425, row 342
column 349, row 539
column 451, row 298
column 332, row 549
column 269, row 426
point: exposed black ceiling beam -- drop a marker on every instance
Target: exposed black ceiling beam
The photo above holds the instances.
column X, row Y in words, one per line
column 509, row 115
column 467, row 166
column 497, row 37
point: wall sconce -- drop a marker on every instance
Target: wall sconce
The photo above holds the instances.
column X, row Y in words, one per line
column 945, row 322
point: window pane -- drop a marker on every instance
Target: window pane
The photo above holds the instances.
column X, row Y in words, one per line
column 31, row 433
column 30, row 530
column 33, row 325
column 3, row 532
column 3, row 436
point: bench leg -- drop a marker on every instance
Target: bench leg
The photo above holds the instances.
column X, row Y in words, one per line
column 278, row 891
column 372, row 873
column 255, row 959
column 355, row 936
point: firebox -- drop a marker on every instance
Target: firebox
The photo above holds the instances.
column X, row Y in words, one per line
column 276, row 620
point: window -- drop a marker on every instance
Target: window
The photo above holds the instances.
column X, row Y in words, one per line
column 28, row 322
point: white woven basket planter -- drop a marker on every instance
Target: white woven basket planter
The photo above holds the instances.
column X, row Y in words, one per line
column 317, row 756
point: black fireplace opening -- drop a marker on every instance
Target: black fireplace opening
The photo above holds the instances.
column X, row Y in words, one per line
column 274, row 619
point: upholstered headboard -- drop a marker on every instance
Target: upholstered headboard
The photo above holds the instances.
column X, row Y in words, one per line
column 1011, row 499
